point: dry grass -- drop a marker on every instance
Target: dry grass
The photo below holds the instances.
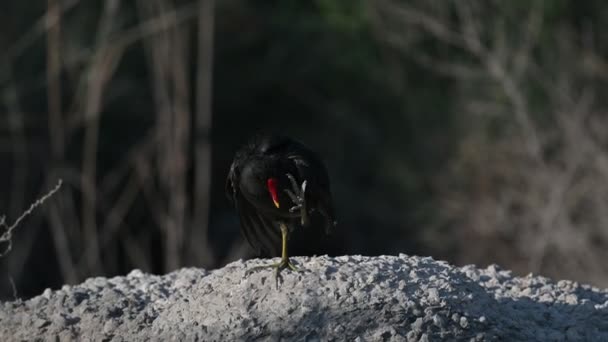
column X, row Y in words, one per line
column 6, row 238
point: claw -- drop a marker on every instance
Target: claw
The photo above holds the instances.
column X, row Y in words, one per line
column 278, row 267
column 297, row 196
column 284, row 263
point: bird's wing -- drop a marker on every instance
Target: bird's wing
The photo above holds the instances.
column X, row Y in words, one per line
column 259, row 231
column 318, row 194
column 231, row 180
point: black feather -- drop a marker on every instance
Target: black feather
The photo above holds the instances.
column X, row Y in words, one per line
column 275, row 156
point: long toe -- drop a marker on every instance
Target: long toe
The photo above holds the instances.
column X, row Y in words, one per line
column 291, row 266
column 278, row 267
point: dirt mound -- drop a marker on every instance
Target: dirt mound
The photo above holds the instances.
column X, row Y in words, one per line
column 399, row 298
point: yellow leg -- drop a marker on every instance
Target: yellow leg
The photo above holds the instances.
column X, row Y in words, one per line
column 284, row 263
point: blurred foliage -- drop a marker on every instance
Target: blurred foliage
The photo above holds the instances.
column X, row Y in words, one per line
column 391, row 129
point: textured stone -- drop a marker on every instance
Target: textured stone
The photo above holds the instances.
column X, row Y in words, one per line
column 354, row 298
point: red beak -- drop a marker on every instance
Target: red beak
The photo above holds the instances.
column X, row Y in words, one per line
column 272, row 188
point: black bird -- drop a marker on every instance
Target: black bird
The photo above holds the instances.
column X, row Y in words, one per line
column 281, row 191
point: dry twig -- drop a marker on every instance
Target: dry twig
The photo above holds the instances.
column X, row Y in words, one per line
column 7, row 235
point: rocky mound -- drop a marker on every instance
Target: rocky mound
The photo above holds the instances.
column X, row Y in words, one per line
column 355, row 298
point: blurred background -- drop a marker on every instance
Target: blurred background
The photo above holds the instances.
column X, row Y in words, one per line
column 470, row 131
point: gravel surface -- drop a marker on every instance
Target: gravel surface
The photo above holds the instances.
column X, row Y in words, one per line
column 354, row 298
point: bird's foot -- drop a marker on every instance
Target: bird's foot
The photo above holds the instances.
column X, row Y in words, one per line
column 298, row 198
column 278, row 267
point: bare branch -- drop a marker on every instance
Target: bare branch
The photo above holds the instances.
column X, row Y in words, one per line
column 56, row 127
column 203, row 119
column 38, row 30
column 101, row 69
column 13, row 287
column 7, row 235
